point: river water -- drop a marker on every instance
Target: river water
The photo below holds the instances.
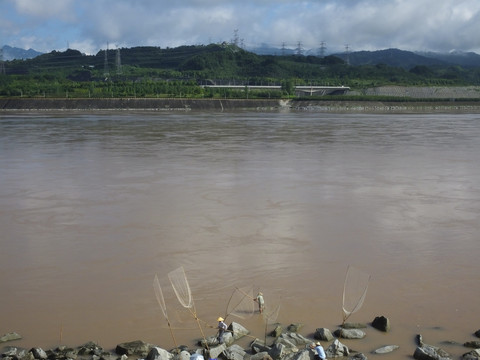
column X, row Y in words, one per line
column 92, row 206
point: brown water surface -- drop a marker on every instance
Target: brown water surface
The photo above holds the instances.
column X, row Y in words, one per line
column 92, row 206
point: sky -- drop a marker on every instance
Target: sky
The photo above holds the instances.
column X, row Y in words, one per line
column 92, row 25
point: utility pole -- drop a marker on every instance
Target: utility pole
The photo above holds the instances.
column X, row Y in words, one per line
column 347, row 52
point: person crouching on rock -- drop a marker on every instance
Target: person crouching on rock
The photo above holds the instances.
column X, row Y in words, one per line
column 222, row 327
column 319, row 349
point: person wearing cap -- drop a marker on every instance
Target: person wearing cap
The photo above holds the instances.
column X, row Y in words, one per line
column 222, row 327
column 261, row 302
column 319, row 349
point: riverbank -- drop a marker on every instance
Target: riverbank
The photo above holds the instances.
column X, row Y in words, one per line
column 178, row 105
column 282, row 344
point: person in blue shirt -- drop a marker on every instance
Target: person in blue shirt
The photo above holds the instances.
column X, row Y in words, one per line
column 319, row 349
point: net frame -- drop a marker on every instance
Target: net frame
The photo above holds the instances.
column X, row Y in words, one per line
column 355, row 289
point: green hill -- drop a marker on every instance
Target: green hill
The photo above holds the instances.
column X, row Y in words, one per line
column 155, row 72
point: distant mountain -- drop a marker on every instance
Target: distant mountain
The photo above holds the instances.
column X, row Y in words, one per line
column 12, row 53
column 466, row 59
column 391, row 57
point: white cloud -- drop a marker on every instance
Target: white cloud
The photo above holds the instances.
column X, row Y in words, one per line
column 363, row 24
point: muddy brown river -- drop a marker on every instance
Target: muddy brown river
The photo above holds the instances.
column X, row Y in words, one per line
column 92, row 206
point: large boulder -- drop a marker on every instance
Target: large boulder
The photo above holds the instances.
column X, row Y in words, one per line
column 10, row 337
column 136, row 347
column 237, row 330
column 472, row 355
column 234, row 352
column 214, row 352
column 292, row 338
column 337, row 349
column 157, row 353
column 472, row 344
column 38, row 353
column 350, row 333
column 294, row 327
column 381, row 323
column 323, row 334
column 429, row 352
column 477, row 333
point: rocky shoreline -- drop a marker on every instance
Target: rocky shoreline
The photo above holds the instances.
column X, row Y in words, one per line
column 176, row 105
column 286, row 344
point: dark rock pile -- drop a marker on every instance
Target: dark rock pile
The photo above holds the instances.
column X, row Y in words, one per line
column 288, row 345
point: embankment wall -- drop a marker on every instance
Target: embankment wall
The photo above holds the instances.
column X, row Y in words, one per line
column 135, row 104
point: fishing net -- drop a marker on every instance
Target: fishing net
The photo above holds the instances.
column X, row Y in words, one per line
column 241, row 303
column 354, row 291
column 179, row 282
column 159, row 296
column 161, row 301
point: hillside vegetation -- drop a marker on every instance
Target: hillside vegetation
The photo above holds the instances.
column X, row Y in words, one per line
column 182, row 72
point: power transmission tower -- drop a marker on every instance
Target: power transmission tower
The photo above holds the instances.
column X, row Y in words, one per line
column 323, row 48
column 118, row 62
column 235, row 40
column 347, row 53
column 105, row 63
column 299, row 49
column 283, row 48
column 2, row 64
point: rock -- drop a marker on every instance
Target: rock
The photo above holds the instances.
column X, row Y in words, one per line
column 277, row 331
column 258, row 346
column 137, row 347
column 157, row 353
column 293, row 338
column 294, row 327
column 472, row 355
column 237, row 330
column 90, row 348
column 354, row 326
column 477, row 333
column 234, row 352
column 302, row 355
column 358, row 356
column 10, row 337
column 337, row 349
column 350, row 333
column 386, row 349
column 196, row 356
column 472, row 344
column 185, row 355
column 261, row 356
column 38, row 353
column 381, row 323
column 214, row 352
column 279, row 350
column 429, row 352
column 323, row 334
column 419, row 340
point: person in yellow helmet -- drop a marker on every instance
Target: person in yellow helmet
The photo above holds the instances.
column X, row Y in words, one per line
column 222, row 327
